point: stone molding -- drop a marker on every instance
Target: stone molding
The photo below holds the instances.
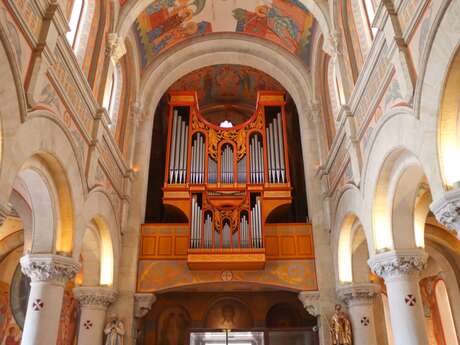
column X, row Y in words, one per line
column 5, row 212
column 143, row 303
column 447, row 210
column 49, row 268
column 358, row 294
column 95, row 296
column 397, row 263
column 310, row 301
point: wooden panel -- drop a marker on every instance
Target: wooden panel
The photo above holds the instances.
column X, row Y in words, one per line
column 164, row 242
column 149, row 246
column 304, row 245
column 288, row 246
column 271, row 242
column 181, row 245
column 289, row 241
column 226, row 260
column 165, row 245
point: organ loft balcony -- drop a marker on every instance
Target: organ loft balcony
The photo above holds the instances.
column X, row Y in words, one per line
column 228, row 182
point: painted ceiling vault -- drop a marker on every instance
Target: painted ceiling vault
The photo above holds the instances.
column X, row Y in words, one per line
column 227, row 92
column 164, row 23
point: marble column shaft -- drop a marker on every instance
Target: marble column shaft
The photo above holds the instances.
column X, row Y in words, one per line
column 360, row 301
column 400, row 270
column 49, row 274
column 94, row 302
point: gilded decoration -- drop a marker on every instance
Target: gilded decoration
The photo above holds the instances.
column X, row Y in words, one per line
column 236, row 136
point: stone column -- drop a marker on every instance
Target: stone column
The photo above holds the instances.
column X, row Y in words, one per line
column 360, row 301
column 94, row 302
column 49, row 274
column 400, row 270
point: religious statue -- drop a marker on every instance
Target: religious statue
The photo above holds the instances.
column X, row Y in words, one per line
column 114, row 331
column 340, row 327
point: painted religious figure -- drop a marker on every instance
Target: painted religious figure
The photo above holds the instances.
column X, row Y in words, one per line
column 114, row 331
column 340, row 328
column 173, row 325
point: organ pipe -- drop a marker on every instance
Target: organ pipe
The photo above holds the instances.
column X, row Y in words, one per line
column 196, row 224
column 179, row 150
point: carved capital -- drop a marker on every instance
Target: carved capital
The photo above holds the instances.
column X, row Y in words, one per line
column 95, row 297
column 115, row 47
column 447, row 210
column 310, row 301
column 397, row 263
column 358, row 294
column 332, row 45
column 143, row 303
column 49, row 268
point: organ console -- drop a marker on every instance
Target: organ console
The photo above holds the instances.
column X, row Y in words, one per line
column 226, row 178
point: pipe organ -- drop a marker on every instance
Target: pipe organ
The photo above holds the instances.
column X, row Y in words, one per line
column 226, row 180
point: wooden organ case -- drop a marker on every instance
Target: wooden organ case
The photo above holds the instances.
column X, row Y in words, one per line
column 227, row 180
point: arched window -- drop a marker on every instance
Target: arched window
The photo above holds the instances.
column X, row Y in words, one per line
column 112, row 94
column 75, row 21
column 370, row 15
column 363, row 14
column 333, row 89
column 445, row 313
column 80, row 21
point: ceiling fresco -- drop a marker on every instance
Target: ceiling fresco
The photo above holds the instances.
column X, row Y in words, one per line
column 164, row 23
column 227, row 92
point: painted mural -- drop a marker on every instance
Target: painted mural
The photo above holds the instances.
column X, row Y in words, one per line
column 164, row 23
column 223, row 84
column 161, row 275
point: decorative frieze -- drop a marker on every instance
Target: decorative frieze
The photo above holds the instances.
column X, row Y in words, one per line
column 447, row 210
column 49, row 268
column 396, row 263
column 98, row 297
column 310, row 301
column 143, row 303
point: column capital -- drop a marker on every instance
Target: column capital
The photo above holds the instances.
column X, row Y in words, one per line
column 95, row 296
column 310, row 301
column 116, row 48
column 397, row 263
column 143, row 303
column 49, row 268
column 358, row 294
column 447, row 210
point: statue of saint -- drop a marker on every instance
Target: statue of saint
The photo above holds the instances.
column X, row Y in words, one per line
column 114, row 330
column 340, row 327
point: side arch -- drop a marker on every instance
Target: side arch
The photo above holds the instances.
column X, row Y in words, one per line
column 98, row 213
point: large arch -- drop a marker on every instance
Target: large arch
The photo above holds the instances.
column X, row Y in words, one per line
column 131, row 11
column 239, row 50
column 392, row 147
column 31, row 157
column 431, row 103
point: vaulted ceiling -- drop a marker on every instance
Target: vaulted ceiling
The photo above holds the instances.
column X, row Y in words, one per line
column 165, row 23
